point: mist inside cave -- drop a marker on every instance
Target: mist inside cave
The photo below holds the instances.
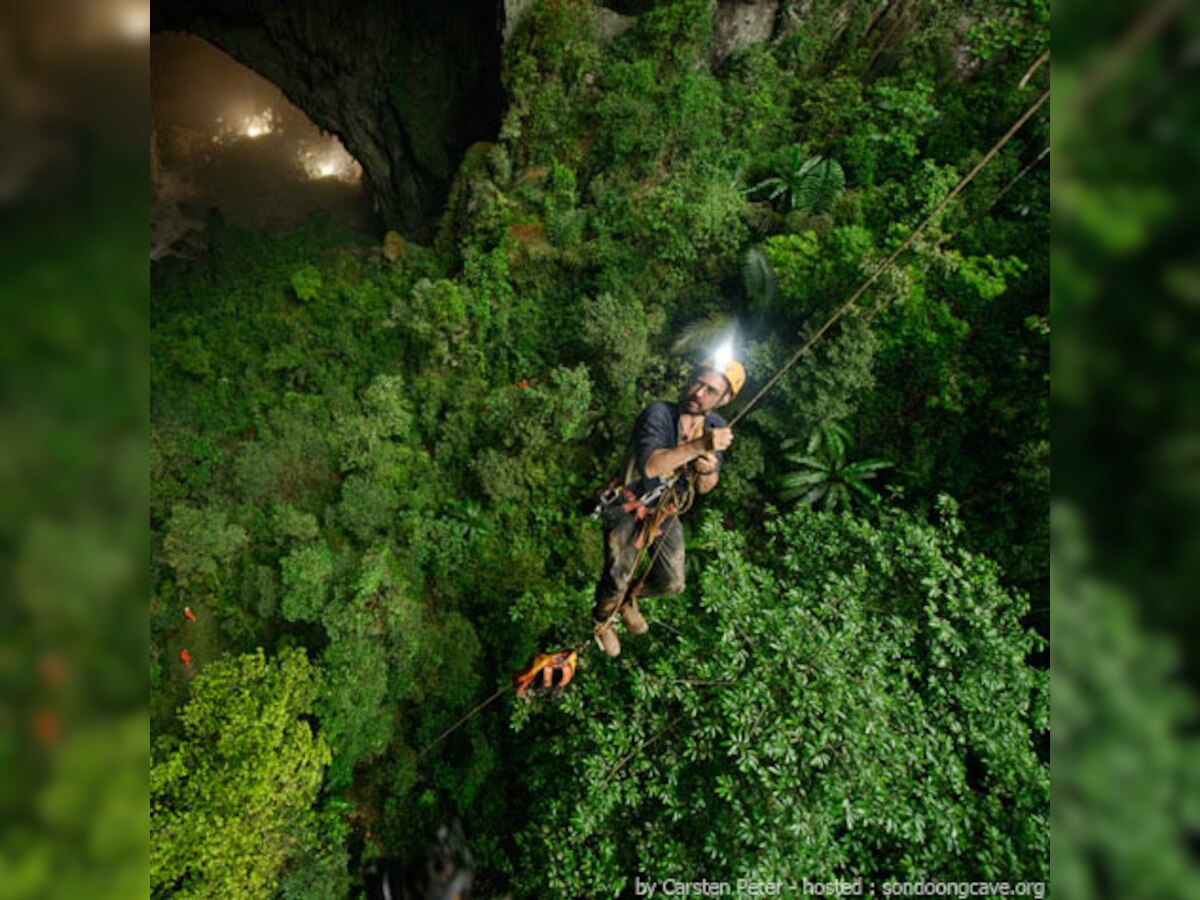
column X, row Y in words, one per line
column 227, row 143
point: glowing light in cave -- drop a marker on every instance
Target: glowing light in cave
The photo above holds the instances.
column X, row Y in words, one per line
column 133, row 21
column 244, row 125
column 257, row 126
column 330, row 160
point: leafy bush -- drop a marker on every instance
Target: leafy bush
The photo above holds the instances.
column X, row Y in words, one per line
column 231, row 800
column 615, row 334
column 307, row 282
column 809, row 185
column 306, row 578
column 846, row 700
column 200, row 544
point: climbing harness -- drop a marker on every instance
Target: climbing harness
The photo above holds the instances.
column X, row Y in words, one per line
column 615, row 492
column 550, row 672
column 541, row 672
column 672, row 503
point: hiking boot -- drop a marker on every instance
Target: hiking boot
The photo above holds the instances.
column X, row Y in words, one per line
column 633, row 618
column 609, row 642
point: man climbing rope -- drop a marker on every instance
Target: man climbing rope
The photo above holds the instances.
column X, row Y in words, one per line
column 668, row 439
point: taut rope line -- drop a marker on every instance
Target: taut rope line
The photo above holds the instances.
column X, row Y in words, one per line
column 816, row 336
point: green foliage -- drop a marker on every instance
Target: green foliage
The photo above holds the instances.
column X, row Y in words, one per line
column 814, row 272
column 306, row 576
column 547, row 72
column 811, row 185
column 306, row 282
column 823, row 476
column 231, row 800
column 323, row 868
column 433, row 319
column 477, row 209
column 855, row 702
column 884, row 140
column 193, row 358
column 290, row 523
column 353, row 710
column 1127, row 724
column 200, row 544
column 1017, row 27
column 564, row 221
column 615, row 333
column 757, row 93
column 385, row 472
column 87, row 833
column 693, row 222
column 367, row 506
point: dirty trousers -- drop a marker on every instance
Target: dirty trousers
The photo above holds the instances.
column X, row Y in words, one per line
column 621, row 530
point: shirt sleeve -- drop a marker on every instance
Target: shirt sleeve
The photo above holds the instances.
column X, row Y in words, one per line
column 655, row 430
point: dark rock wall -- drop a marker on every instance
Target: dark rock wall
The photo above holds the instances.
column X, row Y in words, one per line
column 737, row 23
column 407, row 85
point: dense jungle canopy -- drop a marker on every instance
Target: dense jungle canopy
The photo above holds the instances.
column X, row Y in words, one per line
column 368, row 455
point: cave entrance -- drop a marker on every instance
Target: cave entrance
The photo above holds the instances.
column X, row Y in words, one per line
column 225, row 138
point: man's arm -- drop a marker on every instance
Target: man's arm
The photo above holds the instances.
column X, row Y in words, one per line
column 664, row 462
column 707, row 474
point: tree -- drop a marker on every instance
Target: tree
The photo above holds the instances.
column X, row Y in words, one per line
column 846, row 699
column 232, row 796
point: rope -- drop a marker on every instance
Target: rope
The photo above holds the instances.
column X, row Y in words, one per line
column 669, row 498
column 887, row 263
column 480, row 707
column 635, row 586
column 671, row 492
column 1008, row 187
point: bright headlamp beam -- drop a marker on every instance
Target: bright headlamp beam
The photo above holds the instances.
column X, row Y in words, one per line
column 722, row 355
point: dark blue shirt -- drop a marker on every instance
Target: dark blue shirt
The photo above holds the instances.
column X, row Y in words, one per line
column 657, row 428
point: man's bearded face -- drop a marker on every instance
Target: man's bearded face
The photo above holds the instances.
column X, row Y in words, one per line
column 704, row 392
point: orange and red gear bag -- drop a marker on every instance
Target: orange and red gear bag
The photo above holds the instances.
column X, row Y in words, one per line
column 547, row 671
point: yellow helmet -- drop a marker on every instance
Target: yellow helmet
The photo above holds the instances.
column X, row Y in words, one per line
column 732, row 372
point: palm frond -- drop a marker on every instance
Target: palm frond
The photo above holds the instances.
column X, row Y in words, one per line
column 821, row 474
column 867, row 493
column 817, row 184
column 835, row 496
column 808, row 462
column 830, row 441
column 813, row 496
column 814, row 442
column 773, row 181
column 795, row 482
column 867, row 468
column 757, row 277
